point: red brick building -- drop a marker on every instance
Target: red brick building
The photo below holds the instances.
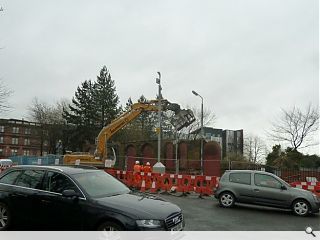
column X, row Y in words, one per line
column 20, row 137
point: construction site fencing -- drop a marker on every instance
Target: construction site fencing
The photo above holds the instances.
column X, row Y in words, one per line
column 310, row 186
column 287, row 174
column 166, row 182
column 177, row 166
column 37, row 160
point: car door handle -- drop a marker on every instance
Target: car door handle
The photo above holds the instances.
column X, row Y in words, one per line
column 45, row 201
column 18, row 195
column 256, row 190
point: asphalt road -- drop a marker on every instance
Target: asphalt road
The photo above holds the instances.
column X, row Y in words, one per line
column 206, row 215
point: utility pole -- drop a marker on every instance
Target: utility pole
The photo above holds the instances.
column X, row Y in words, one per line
column 159, row 167
column 202, row 132
column 177, row 160
column 158, row 81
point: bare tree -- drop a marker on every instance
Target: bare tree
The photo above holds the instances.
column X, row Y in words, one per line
column 5, row 93
column 51, row 120
column 44, row 113
column 296, row 127
column 254, row 148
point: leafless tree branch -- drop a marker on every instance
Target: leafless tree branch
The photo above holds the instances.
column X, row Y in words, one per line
column 296, row 127
column 5, row 93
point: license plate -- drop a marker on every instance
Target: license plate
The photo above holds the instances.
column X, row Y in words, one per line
column 178, row 227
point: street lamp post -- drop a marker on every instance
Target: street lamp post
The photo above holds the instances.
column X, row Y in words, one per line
column 158, row 81
column 202, row 133
column 177, row 160
column 159, row 167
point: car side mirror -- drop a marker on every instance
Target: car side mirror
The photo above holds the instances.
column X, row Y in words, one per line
column 69, row 193
column 283, row 187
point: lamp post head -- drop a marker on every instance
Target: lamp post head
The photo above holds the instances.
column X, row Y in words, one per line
column 158, row 79
column 195, row 93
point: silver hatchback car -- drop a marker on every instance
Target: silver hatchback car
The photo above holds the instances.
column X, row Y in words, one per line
column 263, row 188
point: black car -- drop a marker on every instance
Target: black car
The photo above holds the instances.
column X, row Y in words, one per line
column 79, row 198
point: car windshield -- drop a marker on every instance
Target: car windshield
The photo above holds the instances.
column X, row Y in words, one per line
column 100, row 184
column 284, row 182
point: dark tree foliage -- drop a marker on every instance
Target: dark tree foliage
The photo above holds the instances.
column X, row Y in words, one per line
column 141, row 128
column 272, row 156
column 80, row 114
column 291, row 158
column 93, row 106
column 105, row 98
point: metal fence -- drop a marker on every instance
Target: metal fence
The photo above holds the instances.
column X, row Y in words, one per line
column 289, row 175
column 37, row 160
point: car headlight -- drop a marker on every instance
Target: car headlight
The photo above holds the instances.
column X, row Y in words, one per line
column 149, row 223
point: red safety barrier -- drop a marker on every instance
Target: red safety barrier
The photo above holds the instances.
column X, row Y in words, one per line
column 210, row 184
column 110, row 171
column 317, row 190
column 157, row 179
column 167, row 182
column 184, row 183
column 153, row 182
column 199, row 185
column 310, row 186
column 128, row 178
column 2, row 168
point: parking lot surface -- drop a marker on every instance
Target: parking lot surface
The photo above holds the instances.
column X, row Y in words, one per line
column 206, row 215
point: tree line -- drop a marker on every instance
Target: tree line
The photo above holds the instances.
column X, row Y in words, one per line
column 77, row 122
column 94, row 105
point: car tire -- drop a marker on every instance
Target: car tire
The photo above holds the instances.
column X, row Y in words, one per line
column 110, row 226
column 5, row 217
column 301, row 207
column 226, row 199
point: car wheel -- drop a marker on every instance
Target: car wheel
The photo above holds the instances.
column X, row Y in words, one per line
column 301, row 207
column 5, row 217
column 110, row 226
column 226, row 199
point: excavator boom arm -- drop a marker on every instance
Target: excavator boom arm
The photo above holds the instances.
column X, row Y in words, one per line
column 181, row 119
column 108, row 131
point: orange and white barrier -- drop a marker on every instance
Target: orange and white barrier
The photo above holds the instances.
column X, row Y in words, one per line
column 154, row 182
column 4, row 164
column 310, row 186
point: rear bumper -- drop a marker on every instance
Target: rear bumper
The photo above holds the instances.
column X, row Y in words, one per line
column 216, row 193
column 315, row 206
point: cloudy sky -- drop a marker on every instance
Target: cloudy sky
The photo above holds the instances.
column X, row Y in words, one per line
column 247, row 58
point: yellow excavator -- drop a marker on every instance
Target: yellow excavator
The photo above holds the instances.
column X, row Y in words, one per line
column 182, row 118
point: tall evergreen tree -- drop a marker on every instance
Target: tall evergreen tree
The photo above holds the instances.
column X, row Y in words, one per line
column 105, row 98
column 93, row 107
column 81, row 114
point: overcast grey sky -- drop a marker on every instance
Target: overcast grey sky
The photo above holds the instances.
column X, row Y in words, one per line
column 247, row 58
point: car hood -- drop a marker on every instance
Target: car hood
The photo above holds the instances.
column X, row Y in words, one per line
column 301, row 191
column 142, row 206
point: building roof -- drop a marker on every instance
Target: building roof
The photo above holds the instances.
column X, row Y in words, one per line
column 18, row 121
column 213, row 130
column 208, row 130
